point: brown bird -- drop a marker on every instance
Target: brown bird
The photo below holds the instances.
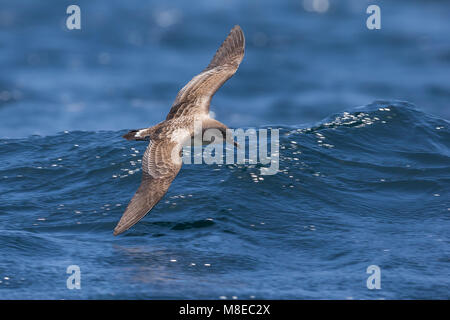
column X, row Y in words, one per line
column 161, row 161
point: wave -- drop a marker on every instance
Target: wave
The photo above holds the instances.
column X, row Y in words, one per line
column 382, row 146
column 349, row 176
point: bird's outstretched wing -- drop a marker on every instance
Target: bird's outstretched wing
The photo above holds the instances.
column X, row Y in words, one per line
column 195, row 97
column 160, row 165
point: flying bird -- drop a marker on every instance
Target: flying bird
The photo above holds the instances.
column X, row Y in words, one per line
column 161, row 161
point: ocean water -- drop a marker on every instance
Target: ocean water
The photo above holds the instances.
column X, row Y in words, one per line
column 365, row 187
column 364, row 174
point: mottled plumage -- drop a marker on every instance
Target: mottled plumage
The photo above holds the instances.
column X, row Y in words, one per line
column 161, row 161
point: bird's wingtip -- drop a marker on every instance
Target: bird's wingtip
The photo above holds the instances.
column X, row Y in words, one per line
column 117, row 231
column 237, row 29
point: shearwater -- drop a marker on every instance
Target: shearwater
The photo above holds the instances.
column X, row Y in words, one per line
column 162, row 159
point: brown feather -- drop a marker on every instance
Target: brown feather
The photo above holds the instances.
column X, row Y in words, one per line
column 158, row 172
column 195, row 97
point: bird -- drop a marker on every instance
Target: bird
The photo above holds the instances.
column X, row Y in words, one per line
column 161, row 161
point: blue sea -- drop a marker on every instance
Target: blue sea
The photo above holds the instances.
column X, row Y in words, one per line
column 364, row 170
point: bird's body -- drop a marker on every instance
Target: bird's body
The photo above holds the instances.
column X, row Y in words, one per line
column 162, row 161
